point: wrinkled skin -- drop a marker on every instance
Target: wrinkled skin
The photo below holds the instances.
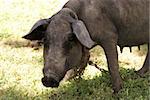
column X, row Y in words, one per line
column 78, row 71
column 86, row 23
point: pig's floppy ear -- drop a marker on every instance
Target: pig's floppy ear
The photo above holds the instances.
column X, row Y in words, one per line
column 38, row 30
column 82, row 34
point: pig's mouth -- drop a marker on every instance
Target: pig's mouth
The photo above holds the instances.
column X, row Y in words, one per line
column 51, row 80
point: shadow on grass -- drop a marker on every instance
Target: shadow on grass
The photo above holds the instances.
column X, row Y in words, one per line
column 13, row 41
column 16, row 43
column 21, row 43
column 99, row 88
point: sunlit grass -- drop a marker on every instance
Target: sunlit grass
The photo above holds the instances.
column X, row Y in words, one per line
column 21, row 66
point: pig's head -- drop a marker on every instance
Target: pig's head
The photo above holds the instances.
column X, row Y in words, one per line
column 64, row 38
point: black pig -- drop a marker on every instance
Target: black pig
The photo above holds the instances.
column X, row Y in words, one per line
column 83, row 24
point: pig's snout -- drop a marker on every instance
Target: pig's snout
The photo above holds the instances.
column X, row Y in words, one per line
column 49, row 82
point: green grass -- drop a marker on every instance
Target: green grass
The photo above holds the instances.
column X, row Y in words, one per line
column 21, row 66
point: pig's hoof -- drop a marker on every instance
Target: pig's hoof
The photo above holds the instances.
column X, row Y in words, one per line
column 142, row 71
column 117, row 87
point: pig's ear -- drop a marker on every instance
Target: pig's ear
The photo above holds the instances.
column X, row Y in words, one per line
column 82, row 34
column 38, row 30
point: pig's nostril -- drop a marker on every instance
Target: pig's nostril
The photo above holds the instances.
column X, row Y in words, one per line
column 50, row 82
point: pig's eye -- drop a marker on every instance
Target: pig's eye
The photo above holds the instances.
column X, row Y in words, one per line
column 71, row 37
